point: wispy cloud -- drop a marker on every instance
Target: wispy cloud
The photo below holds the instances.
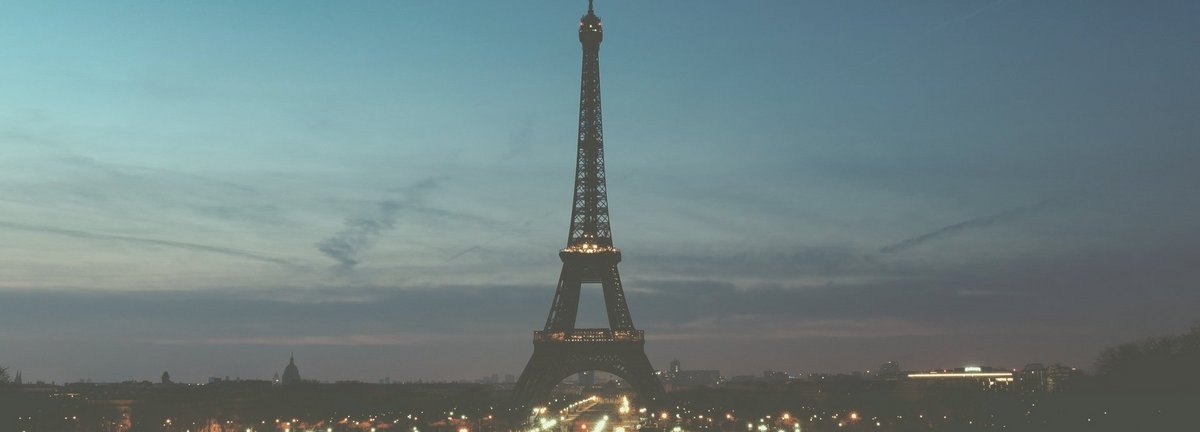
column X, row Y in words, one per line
column 359, row 234
column 520, row 140
column 66, row 181
column 360, row 231
column 817, row 263
column 502, row 234
column 981, row 222
column 240, row 253
column 767, row 328
column 349, row 340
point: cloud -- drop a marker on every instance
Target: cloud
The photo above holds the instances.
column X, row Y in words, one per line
column 774, row 328
column 10, row 135
column 149, row 242
column 375, row 316
column 981, row 222
column 520, row 141
column 359, row 233
column 348, row 340
column 66, row 181
column 816, row 263
column 360, row 230
column 502, row 233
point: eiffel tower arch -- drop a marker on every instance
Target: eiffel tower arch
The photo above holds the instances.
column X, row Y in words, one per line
column 554, row 361
column 560, row 349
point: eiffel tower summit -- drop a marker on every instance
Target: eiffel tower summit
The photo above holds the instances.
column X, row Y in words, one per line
column 560, row 349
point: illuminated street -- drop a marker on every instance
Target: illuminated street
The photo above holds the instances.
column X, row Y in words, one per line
column 593, row 414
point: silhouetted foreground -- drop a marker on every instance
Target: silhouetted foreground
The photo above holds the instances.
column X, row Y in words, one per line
column 1148, row 385
column 248, row 405
column 837, row 405
column 896, row 406
column 1141, row 386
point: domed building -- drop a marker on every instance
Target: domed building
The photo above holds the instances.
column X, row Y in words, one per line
column 291, row 374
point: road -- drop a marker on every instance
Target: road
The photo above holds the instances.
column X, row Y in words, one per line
column 612, row 414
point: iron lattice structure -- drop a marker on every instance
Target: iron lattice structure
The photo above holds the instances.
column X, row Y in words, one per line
column 561, row 350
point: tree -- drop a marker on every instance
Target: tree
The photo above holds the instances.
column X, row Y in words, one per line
column 4, row 378
column 1158, row 363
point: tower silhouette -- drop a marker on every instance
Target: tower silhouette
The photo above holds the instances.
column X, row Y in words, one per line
column 560, row 349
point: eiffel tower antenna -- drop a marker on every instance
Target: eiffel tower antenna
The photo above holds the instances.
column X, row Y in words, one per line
column 560, row 349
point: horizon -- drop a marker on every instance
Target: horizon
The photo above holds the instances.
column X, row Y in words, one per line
column 502, row 376
column 383, row 188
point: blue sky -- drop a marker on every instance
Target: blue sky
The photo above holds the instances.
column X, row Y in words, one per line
column 382, row 187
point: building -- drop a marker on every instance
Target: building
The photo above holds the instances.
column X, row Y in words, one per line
column 890, row 369
column 743, row 379
column 676, row 377
column 1036, row 378
column 974, row 375
column 291, row 374
column 1059, row 377
column 697, row 378
column 775, row 376
column 1032, row 378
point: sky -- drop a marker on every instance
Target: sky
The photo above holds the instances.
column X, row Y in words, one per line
column 382, row 187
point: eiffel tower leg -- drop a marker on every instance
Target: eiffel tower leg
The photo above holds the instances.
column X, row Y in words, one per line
column 530, row 386
column 614, row 301
column 566, row 299
column 641, row 377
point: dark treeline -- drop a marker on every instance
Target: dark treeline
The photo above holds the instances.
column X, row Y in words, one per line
column 1169, row 363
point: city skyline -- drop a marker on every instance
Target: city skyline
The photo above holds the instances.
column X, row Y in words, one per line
column 386, row 198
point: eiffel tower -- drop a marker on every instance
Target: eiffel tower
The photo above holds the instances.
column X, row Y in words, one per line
column 561, row 350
